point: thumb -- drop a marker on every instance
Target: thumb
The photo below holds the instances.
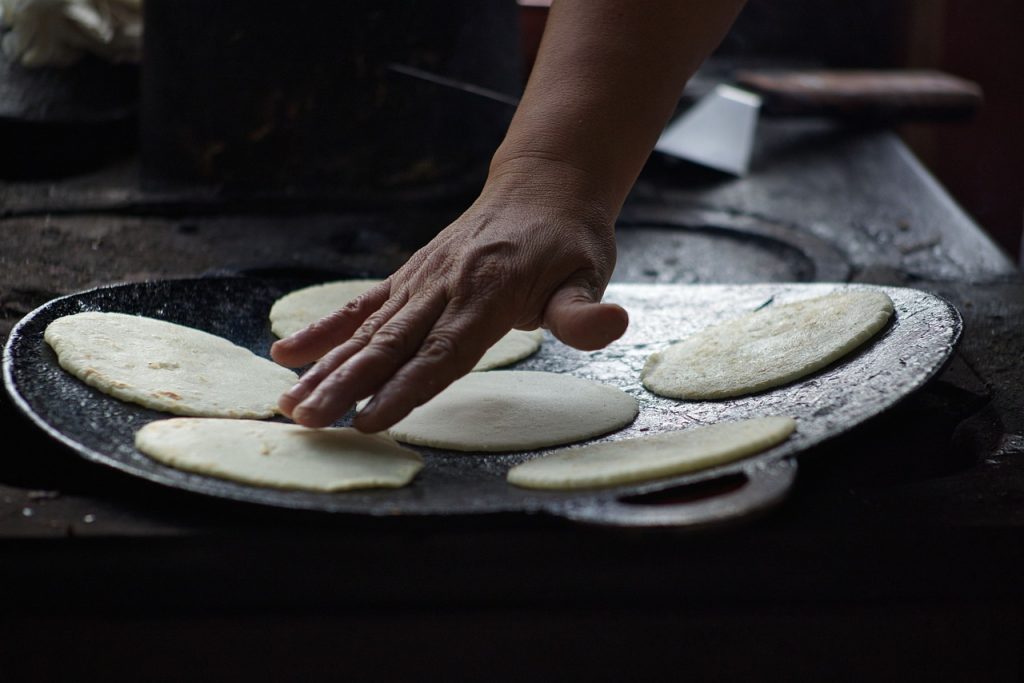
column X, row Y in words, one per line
column 575, row 316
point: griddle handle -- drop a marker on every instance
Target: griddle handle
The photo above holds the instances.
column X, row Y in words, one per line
column 765, row 486
column 881, row 95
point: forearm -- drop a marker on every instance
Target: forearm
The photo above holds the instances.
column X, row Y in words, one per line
column 607, row 77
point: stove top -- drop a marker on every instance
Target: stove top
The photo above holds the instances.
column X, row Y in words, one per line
column 923, row 503
column 823, row 203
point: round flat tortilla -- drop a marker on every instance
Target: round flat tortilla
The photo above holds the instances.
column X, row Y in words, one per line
column 644, row 458
column 514, row 346
column 303, row 307
column 767, row 348
column 279, row 455
column 508, row 410
column 168, row 367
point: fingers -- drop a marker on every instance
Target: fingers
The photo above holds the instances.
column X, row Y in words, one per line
column 309, row 381
column 336, row 357
column 360, row 366
column 452, row 348
column 574, row 315
column 405, row 360
column 488, row 272
column 309, row 344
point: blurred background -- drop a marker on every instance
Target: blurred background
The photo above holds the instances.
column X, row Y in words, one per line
column 980, row 161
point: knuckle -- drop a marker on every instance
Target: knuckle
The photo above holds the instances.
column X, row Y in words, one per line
column 352, row 307
column 368, row 307
column 390, row 344
column 361, row 338
column 482, row 277
column 333, row 320
column 440, row 346
column 371, row 327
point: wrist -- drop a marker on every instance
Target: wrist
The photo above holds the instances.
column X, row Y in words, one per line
column 548, row 181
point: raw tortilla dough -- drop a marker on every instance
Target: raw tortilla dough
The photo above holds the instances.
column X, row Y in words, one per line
column 279, row 455
column 514, row 346
column 767, row 348
column 510, row 410
column 300, row 308
column 629, row 461
column 168, row 367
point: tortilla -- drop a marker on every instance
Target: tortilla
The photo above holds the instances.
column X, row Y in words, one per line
column 299, row 309
column 629, row 461
column 767, row 348
column 514, row 346
column 279, row 455
column 167, row 367
column 509, row 410
column 303, row 307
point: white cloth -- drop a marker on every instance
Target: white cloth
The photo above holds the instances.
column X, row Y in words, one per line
column 60, row 32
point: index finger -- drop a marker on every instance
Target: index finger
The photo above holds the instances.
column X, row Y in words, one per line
column 450, row 350
column 315, row 340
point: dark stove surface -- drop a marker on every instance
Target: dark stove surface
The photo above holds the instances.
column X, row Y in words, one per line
column 823, row 203
column 922, row 505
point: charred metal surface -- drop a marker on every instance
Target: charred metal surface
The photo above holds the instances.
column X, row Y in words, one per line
column 47, row 257
column 655, row 245
column 117, row 188
column 658, row 244
column 901, row 359
column 860, row 190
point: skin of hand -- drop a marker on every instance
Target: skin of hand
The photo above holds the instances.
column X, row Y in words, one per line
column 537, row 248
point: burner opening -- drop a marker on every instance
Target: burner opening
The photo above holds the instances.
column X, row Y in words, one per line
column 700, row 254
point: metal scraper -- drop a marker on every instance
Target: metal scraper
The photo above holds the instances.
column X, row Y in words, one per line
column 719, row 130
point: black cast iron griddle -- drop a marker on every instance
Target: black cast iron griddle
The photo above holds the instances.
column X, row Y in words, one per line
column 900, row 359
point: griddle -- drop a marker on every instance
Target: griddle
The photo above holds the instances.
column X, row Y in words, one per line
column 908, row 352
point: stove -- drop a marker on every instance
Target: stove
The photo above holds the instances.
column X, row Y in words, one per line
column 900, row 545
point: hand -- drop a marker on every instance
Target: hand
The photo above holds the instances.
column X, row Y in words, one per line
column 538, row 246
column 521, row 256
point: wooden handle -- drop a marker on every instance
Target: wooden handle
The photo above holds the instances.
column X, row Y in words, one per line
column 864, row 94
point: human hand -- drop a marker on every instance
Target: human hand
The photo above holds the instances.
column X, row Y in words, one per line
column 521, row 256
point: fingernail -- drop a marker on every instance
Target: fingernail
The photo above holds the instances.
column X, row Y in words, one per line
column 305, row 409
column 294, row 394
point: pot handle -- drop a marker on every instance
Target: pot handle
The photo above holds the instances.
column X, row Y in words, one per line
column 751, row 491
